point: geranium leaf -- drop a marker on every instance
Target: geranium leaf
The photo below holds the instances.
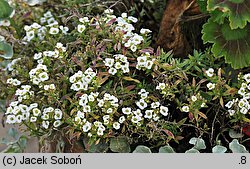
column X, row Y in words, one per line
column 238, row 10
column 6, row 10
column 234, row 44
column 6, row 50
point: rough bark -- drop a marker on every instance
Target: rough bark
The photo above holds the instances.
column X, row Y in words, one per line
column 171, row 36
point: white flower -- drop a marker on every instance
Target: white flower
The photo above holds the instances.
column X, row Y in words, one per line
column 57, row 123
column 145, row 31
column 161, row 86
column 84, row 20
column 112, row 71
column 210, row 86
column 38, row 55
column 118, row 65
column 100, row 103
column 52, row 87
column 48, row 14
column 164, row 110
column 149, row 64
column 155, row 105
column 247, row 77
column 133, row 48
column 45, row 124
column 46, row 87
column 122, row 119
column 193, row 98
column 133, row 19
column 9, row 110
column 80, row 114
column 19, row 118
column 99, row 132
column 109, row 62
column 185, row 109
column 11, row 119
column 242, row 103
column 64, row 31
column 210, row 72
column 231, row 112
column 156, row 117
column 229, row 104
column 86, row 127
column 36, row 112
column 81, row 28
column 108, row 11
column 43, row 76
column 243, row 110
column 141, row 104
column 54, row 31
column 35, row 25
column 126, row 110
column 33, row 119
column 58, row 114
column 91, row 98
column 86, row 109
column 16, row 82
column 45, row 117
column 30, row 35
column 110, row 110
column 116, row 125
column 124, row 15
column 148, row 114
column 9, row 81
column 136, row 119
column 203, row 104
column 242, row 91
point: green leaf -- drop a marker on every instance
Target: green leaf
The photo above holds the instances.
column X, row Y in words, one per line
column 6, row 50
column 142, row 149
column 23, row 142
column 219, row 149
column 198, row 143
column 192, row 150
column 166, row 149
column 202, row 5
column 101, row 147
column 235, row 134
column 13, row 133
column 119, row 145
column 6, row 10
column 238, row 11
column 232, row 44
column 236, row 147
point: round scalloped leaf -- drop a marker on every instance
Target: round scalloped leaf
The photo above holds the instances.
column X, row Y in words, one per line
column 166, row 149
column 234, row 44
column 198, row 143
column 219, row 149
column 6, row 10
column 142, row 149
column 119, row 145
column 192, row 150
column 6, row 50
column 238, row 10
column 236, row 147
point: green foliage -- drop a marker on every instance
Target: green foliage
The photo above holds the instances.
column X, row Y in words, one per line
column 6, row 10
column 6, row 50
column 228, row 30
column 236, row 147
column 237, row 10
column 15, row 143
column 142, row 149
column 120, row 145
column 219, row 149
column 166, row 149
column 192, row 150
column 198, row 143
column 234, row 134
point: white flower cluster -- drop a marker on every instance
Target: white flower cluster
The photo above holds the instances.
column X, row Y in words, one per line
column 16, row 113
column 123, row 24
column 84, row 22
column 14, row 82
column 119, row 63
column 56, row 53
column 39, row 74
column 10, row 66
column 24, row 93
column 241, row 104
column 82, row 80
column 139, row 115
column 91, row 107
column 48, row 24
column 144, row 62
